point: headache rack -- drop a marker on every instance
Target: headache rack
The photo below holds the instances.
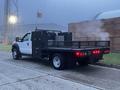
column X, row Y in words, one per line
column 78, row 44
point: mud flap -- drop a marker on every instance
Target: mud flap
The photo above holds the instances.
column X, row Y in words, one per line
column 93, row 59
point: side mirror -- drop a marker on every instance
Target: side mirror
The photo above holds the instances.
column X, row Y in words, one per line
column 18, row 39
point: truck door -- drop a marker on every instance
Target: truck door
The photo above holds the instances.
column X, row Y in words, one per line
column 26, row 44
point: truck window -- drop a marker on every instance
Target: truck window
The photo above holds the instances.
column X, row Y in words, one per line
column 26, row 37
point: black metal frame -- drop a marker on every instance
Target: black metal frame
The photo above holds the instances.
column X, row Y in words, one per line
column 44, row 43
column 79, row 44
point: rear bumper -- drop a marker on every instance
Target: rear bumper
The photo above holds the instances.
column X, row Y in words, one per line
column 90, row 59
column 93, row 58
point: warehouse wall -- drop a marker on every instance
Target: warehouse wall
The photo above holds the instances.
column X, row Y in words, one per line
column 94, row 30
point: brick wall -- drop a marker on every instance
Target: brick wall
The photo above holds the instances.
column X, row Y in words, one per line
column 94, row 30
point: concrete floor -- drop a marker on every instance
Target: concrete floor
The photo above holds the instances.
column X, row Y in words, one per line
column 30, row 74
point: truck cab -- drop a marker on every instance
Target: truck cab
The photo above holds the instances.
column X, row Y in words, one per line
column 24, row 45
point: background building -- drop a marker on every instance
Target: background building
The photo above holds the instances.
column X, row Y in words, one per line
column 105, row 27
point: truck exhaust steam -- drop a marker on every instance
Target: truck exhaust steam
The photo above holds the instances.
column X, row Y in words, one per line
column 91, row 29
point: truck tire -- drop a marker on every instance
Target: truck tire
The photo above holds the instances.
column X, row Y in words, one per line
column 16, row 54
column 58, row 62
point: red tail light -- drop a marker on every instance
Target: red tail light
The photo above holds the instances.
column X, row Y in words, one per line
column 80, row 54
column 96, row 52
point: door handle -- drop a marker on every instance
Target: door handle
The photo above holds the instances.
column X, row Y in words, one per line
column 27, row 44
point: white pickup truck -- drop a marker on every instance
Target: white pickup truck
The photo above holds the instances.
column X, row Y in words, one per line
column 59, row 48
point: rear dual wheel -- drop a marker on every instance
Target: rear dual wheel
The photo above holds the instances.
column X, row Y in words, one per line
column 58, row 62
